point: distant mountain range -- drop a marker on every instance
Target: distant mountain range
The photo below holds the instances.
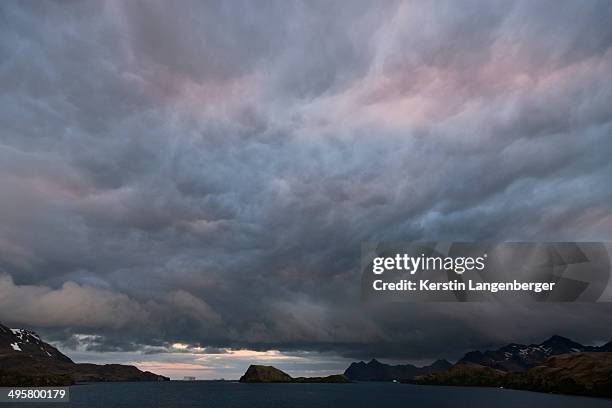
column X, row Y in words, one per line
column 512, row 358
column 557, row 365
column 377, row 371
column 26, row 360
column 520, row 357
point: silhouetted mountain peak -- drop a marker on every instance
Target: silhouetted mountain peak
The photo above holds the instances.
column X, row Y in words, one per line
column 441, row 364
column 374, row 370
column 561, row 345
column 556, row 339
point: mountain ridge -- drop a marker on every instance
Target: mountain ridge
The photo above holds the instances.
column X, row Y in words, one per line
column 512, row 357
column 374, row 370
column 26, row 360
column 521, row 357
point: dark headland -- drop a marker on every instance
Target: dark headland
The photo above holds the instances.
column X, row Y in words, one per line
column 26, row 360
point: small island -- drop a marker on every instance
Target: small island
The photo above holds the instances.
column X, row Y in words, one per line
column 269, row 374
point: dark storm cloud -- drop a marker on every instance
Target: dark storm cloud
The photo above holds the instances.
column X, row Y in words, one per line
column 204, row 173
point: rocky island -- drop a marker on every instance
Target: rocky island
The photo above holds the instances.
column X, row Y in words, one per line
column 26, row 360
column 269, row 374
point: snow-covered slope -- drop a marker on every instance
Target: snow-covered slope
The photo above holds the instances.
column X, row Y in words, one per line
column 26, row 342
column 520, row 357
column 26, row 360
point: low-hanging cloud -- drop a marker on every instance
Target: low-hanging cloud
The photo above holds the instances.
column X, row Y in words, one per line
column 70, row 305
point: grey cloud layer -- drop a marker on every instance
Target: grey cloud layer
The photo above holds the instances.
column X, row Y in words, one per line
column 205, row 173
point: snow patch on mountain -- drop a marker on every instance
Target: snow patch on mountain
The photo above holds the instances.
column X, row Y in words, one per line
column 520, row 357
column 26, row 342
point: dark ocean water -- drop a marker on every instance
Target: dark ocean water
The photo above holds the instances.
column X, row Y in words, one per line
column 236, row 395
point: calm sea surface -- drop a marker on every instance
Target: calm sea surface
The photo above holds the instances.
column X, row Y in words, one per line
column 236, row 395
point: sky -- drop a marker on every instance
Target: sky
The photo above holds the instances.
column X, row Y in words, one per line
column 186, row 187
